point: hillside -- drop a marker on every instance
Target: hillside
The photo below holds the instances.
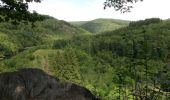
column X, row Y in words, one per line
column 101, row 25
column 14, row 39
column 130, row 62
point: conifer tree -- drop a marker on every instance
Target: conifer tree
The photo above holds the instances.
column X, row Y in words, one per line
column 66, row 65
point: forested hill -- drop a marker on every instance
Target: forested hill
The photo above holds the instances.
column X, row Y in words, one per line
column 131, row 62
column 127, row 63
column 15, row 38
column 101, row 25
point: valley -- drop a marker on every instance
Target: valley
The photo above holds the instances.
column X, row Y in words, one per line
column 114, row 59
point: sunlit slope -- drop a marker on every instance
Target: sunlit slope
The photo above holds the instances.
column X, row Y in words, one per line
column 15, row 38
column 96, row 61
column 101, row 25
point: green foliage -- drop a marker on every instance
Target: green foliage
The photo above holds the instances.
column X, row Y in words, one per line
column 66, row 65
column 145, row 22
column 59, row 44
column 120, row 5
column 129, row 58
column 101, row 25
column 16, row 11
column 4, row 51
column 128, row 63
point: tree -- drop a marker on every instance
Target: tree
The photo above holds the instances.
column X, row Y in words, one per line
column 16, row 11
column 120, row 5
column 66, row 65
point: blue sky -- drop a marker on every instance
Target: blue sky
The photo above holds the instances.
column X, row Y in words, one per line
column 82, row 10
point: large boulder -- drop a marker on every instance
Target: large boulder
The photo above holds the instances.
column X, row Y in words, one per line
column 34, row 84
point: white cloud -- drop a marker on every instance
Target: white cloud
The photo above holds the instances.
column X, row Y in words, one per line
column 72, row 11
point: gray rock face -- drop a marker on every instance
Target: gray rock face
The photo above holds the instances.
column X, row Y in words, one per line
column 34, row 84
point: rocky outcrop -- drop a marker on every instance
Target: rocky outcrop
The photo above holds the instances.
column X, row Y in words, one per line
column 34, row 84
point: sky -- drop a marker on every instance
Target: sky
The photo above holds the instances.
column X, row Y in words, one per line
column 84, row 10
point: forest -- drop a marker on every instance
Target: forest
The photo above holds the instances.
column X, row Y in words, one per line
column 130, row 62
column 104, row 58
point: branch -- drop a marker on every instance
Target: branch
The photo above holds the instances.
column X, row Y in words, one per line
column 120, row 5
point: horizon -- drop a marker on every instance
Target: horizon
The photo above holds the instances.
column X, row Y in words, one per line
column 79, row 10
column 115, row 19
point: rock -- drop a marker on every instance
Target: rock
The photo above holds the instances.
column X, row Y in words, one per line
column 34, row 84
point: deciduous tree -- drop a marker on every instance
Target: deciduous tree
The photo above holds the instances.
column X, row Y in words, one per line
column 120, row 5
column 16, row 11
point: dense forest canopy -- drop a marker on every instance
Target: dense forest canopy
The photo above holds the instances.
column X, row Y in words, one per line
column 130, row 62
column 127, row 63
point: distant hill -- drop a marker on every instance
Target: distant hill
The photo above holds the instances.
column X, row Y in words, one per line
column 109, row 65
column 124, row 54
column 101, row 25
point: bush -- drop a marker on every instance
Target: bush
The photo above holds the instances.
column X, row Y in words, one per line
column 5, row 51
